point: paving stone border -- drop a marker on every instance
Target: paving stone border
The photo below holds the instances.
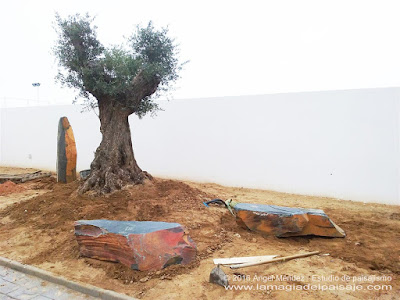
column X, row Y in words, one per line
column 50, row 277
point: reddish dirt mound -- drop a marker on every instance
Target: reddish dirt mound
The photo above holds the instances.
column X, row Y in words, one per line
column 54, row 214
column 10, row 187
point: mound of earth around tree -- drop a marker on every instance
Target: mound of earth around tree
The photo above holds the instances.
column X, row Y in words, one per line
column 53, row 215
column 40, row 231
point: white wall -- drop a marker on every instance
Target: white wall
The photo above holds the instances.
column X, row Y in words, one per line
column 29, row 135
column 342, row 144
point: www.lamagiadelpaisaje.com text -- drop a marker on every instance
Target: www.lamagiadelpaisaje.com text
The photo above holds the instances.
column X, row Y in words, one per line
column 318, row 283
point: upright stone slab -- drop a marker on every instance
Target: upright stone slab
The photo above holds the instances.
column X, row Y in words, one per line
column 66, row 152
column 286, row 221
column 139, row 245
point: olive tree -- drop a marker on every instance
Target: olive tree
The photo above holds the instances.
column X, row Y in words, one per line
column 119, row 81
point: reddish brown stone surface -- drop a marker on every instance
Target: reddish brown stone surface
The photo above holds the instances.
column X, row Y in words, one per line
column 66, row 152
column 139, row 245
column 286, row 221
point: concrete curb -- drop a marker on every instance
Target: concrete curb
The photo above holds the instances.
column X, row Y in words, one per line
column 85, row 289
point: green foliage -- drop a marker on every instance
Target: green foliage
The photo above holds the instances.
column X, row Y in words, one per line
column 131, row 77
column 155, row 49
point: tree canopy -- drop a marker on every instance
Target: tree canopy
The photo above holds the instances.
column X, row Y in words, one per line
column 132, row 75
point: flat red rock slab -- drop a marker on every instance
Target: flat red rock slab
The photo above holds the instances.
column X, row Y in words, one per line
column 141, row 246
column 286, row 221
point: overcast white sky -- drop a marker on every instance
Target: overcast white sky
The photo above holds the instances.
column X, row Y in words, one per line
column 234, row 47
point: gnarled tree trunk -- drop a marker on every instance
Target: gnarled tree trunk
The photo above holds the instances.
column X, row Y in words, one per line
column 114, row 164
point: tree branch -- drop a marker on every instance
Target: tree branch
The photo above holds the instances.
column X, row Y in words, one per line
column 142, row 87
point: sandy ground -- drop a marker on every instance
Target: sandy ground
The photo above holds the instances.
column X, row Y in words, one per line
column 11, row 170
column 36, row 227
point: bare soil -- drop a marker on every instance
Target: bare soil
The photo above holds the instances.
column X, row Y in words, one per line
column 36, row 227
column 10, row 187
